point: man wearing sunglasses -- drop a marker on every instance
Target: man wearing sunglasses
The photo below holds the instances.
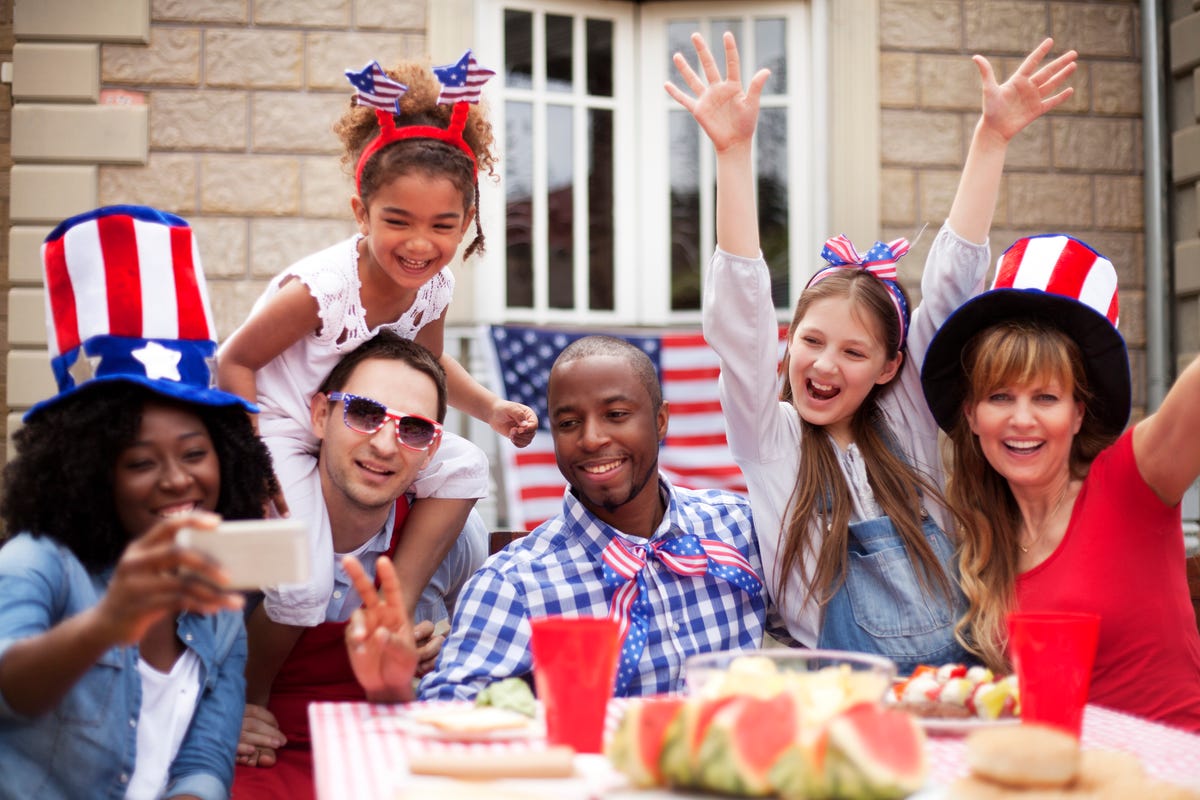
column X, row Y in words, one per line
column 680, row 569
column 378, row 419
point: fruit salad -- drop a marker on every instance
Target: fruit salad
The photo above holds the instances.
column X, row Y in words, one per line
column 957, row 691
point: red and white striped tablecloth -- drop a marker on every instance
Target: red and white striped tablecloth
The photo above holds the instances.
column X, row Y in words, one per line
column 360, row 754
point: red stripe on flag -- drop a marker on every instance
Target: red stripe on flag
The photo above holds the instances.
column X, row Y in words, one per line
column 699, row 407
column 118, row 244
column 719, row 471
column 693, row 374
column 680, row 340
column 535, row 458
column 698, row 440
column 62, row 295
column 541, row 492
column 189, row 301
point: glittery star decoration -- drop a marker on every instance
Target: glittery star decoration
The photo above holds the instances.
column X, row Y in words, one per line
column 160, row 362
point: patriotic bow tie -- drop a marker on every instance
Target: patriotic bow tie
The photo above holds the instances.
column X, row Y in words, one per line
column 687, row 555
column 880, row 260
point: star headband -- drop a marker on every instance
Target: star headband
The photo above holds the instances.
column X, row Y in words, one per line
column 880, row 261
column 462, row 83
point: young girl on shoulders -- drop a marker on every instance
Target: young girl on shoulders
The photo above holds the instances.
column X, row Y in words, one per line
column 416, row 162
column 843, row 465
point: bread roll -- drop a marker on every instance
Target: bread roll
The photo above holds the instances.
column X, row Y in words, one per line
column 1024, row 756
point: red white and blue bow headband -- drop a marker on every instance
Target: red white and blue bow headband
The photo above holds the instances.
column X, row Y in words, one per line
column 880, row 261
column 462, row 83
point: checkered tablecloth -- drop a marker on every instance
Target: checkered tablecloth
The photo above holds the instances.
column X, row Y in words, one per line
column 361, row 754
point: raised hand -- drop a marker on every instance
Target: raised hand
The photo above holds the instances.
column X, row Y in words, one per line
column 380, row 639
column 1027, row 94
column 726, row 111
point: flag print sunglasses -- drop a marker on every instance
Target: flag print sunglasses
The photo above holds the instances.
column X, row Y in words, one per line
column 364, row 415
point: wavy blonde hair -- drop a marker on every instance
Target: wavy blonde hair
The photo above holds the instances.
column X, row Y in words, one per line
column 1016, row 353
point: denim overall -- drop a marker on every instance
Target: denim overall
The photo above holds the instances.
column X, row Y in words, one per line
column 880, row 608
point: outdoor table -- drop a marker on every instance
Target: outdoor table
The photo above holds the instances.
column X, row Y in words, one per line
column 359, row 755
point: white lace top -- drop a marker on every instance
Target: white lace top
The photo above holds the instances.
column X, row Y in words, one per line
column 331, row 275
column 764, row 434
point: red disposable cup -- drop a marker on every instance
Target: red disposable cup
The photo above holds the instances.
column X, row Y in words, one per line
column 1053, row 654
column 574, row 669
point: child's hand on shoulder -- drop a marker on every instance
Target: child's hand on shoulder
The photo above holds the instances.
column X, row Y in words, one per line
column 514, row 421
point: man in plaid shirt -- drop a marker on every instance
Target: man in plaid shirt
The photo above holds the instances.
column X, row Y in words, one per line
column 691, row 555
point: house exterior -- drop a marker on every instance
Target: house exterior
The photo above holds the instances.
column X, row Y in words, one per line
column 220, row 111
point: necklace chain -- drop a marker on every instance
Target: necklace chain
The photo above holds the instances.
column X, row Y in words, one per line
column 1053, row 513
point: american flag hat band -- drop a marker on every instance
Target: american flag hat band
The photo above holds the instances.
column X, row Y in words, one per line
column 126, row 300
column 1055, row 280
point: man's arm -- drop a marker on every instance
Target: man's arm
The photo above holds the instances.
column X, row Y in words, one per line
column 488, row 642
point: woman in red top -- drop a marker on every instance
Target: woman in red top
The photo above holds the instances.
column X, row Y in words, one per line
column 1065, row 510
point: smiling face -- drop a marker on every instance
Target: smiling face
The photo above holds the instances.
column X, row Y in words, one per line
column 606, row 435
column 170, row 468
column 364, row 474
column 1026, row 431
column 413, row 226
column 835, row 358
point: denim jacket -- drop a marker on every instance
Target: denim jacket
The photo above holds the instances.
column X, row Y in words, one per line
column 86, row 746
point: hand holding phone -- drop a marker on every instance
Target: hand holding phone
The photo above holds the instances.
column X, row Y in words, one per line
column 256, row 553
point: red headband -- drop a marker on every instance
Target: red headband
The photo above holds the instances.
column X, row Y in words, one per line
column 388, row 133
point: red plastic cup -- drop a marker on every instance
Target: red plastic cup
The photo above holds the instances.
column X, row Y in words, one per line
column 1053, row 654
column 574, row 669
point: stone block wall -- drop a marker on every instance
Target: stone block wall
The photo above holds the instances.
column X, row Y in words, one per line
column 217, row 110
column 1077, row 170
column 1184, row 124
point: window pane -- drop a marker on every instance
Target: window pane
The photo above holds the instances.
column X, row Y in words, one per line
column 717, row 31
column 773, row 199
column 518, row 195
column 601, row 244
column 518, row 49
column 770, row 39
column 685, row 211
column 560, row 173
column 599, row 57
column 679, row 40
column 558, row 53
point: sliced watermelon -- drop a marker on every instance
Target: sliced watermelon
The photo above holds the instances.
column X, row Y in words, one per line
column 875, row 752
column 636, row 746
column 743, row 743
column 679, row 759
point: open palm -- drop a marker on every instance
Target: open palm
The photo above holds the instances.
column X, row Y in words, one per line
column 727, row 111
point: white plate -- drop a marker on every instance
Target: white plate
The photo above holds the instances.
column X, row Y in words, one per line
column 415, row 720
column 940, row 726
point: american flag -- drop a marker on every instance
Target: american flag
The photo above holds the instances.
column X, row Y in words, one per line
column 695, row 454
column 376, row 88
column 462, row 81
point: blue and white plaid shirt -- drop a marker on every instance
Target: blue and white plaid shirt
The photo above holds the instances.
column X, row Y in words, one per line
column 557, row 569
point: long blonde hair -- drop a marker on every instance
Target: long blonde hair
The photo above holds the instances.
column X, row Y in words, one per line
column 1016, row 353
column 820, row 494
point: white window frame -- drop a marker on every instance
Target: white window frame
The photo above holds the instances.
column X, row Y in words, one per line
column 640, row 107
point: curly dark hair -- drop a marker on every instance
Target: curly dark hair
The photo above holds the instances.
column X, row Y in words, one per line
column 61, row 482
column 358, row 125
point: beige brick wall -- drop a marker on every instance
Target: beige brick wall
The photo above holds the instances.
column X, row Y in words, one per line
column 1079, row 170
column 1185, row 185
column 239, row 100
column 7, row 42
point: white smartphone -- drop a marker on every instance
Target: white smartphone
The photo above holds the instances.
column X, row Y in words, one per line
column 255, row 552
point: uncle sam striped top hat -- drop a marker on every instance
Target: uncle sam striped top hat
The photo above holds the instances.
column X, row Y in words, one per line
column 1056, row 280
column 126, row 301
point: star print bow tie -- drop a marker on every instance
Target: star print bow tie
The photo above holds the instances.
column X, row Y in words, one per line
column 686, row 555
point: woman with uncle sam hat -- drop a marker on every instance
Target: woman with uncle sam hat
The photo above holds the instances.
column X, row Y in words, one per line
column 121, row 655
column 1065, row 510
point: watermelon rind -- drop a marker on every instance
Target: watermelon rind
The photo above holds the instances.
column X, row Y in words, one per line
column 623, row 751
column 852, row 765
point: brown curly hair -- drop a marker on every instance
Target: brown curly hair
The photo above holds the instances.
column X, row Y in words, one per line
column 358, row 126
